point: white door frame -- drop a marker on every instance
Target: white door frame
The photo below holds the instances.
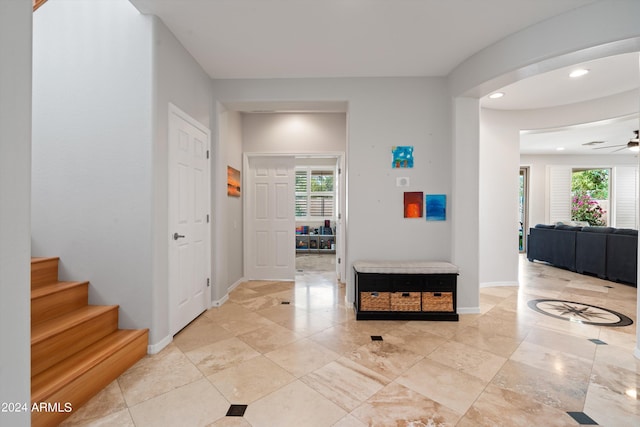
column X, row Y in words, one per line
column 341, row 228
column 177, row 112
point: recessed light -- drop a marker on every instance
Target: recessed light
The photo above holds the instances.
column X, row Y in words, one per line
column 496, row 95
column 560, row 149
column 578, row 73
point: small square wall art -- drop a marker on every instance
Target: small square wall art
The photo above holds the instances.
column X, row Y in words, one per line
column 436, row 207
column 413, row 204
column 402, row 156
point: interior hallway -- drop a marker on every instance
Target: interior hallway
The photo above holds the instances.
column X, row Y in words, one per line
column 309, row 363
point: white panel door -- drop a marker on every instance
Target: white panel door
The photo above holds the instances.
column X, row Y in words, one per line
column 189, row 230
column 270, row 218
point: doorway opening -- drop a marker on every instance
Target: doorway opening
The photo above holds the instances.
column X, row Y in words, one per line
column 317, row 213
column 523, row 209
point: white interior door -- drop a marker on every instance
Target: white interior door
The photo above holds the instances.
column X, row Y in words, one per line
column 189, row 229
column 270, row 218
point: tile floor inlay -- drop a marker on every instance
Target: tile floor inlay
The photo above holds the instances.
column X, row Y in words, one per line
column 579, row 312
column 597, row 341
column 582, row 419
column 376, row 338
column 236, row 410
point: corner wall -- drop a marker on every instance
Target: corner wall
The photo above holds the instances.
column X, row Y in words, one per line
column 383, row 112
column 15, row 194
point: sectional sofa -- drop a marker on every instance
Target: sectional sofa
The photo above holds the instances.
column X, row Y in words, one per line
column 606, row 252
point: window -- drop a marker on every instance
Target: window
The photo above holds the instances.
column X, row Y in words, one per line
column 315, row 193
column 590, row 196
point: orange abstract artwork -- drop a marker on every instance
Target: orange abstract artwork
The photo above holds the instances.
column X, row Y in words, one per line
column 233, row 182
column 413, row 204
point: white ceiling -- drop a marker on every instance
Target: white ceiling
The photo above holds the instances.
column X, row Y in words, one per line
column 380, row 38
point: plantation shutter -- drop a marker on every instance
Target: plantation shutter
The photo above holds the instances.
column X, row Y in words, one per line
column 559, row 192
column 302, row 183
column 625, row 196
column 315, row 193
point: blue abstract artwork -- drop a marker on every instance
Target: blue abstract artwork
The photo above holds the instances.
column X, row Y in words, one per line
column 402, row 156
column 436, row 207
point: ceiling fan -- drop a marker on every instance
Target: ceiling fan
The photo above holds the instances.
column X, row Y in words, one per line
column 632, row 145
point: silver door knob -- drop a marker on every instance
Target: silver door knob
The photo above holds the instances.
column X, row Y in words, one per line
column 177, row 236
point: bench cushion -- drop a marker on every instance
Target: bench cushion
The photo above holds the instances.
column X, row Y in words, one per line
column 405, row 267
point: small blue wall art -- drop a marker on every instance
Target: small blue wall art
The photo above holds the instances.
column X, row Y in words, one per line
column 402, row 156
column 436, row 207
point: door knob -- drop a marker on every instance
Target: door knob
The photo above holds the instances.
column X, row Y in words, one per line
column 177, row 236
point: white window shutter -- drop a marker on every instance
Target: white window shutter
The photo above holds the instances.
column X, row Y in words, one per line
column 559, row 191
column 626, row 190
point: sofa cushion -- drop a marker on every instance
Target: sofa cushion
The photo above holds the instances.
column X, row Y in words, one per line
column 626, row 231
column 545, row 226
column 598, row 229
column 568, row 227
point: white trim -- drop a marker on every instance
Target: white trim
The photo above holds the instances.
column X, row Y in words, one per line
column 219, row 302
column 157, row 347
column 498, row 284
column 468, row 310
column 235, row 284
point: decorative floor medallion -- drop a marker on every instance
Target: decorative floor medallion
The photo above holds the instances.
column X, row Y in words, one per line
column 579, row 312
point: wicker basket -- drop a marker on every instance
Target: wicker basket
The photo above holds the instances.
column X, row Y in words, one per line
column 374, row 301
column 437, row 301
column 405, row 301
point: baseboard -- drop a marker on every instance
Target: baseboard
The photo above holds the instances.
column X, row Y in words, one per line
column 497, row 284
column 468, row 310
column 157, row 347
column 235, row 284
column 219, row 302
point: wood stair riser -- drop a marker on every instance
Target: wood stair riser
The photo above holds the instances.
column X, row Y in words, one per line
column 82, row 388
column 63, row 301
column 43, row 272
column 55, row 348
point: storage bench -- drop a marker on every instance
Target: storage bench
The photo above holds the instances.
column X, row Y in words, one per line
column 405, row 290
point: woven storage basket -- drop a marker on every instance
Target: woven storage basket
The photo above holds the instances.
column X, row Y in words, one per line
column 374, row 301
column 405, row 301
column 437, row 301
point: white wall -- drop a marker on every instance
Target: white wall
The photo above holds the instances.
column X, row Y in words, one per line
column 232, row 266
column 538, row 197
column 178, row 79
column 499, row 222
column 92, row 150
column 15, row 195
column 294, row 133
column 382, row 113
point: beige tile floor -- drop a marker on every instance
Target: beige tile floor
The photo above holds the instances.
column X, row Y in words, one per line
column 310, row 363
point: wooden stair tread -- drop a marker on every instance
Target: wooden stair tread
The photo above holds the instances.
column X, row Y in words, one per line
column 36, row 260
column 44, row 330
column 53, row 288
column 57, row 376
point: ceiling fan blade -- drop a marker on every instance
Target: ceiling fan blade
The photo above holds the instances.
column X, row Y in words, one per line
column 609, row 146
column 620, row 149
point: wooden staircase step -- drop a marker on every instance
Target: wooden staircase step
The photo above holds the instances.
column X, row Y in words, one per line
column 62, row 336
column 56, row 299
column 79, row 377
column 44, row 271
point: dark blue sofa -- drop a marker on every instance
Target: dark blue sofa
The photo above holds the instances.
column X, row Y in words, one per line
column 606, row 252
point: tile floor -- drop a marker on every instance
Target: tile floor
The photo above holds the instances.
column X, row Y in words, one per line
column 309, row 363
